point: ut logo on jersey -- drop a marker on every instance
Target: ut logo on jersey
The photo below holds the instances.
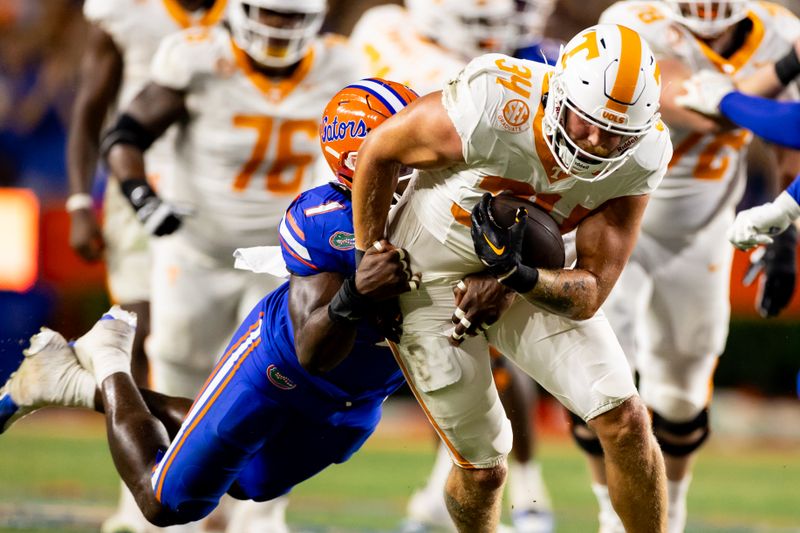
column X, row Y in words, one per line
column 336, row 131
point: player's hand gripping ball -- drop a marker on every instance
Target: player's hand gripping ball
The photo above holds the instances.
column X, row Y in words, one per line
column 513, row 237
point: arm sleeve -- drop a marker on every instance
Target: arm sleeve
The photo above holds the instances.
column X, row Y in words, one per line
column 777, row 122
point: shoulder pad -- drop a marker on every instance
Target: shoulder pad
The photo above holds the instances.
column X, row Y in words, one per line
column 184, row 54
column 655, row 150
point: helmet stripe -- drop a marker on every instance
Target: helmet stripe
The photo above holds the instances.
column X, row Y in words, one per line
column 387, row 97
column 628, row 70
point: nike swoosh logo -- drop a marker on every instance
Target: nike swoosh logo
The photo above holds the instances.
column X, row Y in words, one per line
column 495, row 249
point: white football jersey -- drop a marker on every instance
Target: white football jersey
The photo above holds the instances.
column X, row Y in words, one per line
column 707, row 172
column 389, row 48
column 250, row 142
column 137, row 27
column 499, row 120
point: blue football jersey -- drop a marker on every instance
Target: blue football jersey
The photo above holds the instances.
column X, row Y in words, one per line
column 316, row 236
column 544, row 51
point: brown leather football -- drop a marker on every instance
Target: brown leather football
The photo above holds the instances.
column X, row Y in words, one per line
column 542, row 245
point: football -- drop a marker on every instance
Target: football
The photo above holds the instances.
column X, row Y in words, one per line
column 542, row 246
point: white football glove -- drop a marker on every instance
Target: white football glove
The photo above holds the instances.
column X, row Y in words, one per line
column 756, row 225
column 704, row 91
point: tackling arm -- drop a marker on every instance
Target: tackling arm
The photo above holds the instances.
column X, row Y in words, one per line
column 101, row 75
column 420, row 136
column 320, row 342
column 326, row 308
column 604, row 242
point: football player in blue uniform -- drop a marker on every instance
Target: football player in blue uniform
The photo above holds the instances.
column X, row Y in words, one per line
column 300, row 386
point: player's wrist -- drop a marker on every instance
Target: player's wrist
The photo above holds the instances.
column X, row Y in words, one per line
column 787, row 205
column 521, row 279
column 137, row 191
column 78, row 202
column 787, row 68
column 348, row 305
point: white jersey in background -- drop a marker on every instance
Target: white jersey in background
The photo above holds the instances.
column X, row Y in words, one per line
column 496, row 106
column 250, row 143
column 670, row 308
column 390, row 48
column 707, row 172
column 136, row 28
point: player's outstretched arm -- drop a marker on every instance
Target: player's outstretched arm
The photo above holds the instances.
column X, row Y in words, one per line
column 674, row 75
column 420, row 136
column 326, row 308
column 604, row 242
column 100, row 78
column 145, row 119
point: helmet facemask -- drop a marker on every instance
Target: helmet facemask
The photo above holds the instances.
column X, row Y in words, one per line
column 707, row 19
column 571, row 158
column 272, row 34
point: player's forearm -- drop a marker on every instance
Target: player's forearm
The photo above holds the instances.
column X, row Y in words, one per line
column 574, row 294
column 373, row 186
column 83, row 147
column 322, row 344
column 777, row 122
column 126, row 162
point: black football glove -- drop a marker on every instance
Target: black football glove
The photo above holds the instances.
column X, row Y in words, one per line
column 779, row 264
column 500, row 249
column 158, row 217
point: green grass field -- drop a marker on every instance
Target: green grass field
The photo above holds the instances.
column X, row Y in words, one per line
column 56, row 475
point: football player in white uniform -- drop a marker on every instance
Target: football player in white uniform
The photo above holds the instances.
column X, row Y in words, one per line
column 246, row 102
column 123, row 36
column 582, row 139
column 671, row 306
column 424, row 44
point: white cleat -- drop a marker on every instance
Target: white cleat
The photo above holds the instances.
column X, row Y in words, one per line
column 427, row 513
column 49, row 375
column 533, row 521
column 106, row 348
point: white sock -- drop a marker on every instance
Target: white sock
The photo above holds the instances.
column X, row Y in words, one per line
column 441, row 469
column 106, row 348
column 609, row 521
column 526, row 488
column 677, row 492
column 85, row 389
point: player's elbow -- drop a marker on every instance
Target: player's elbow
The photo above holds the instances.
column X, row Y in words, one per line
column 584, row 312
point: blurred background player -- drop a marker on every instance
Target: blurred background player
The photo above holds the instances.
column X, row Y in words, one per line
column 671, row 306
column 246, row 99
column 444, row 37
column 122, row 37
column 301, row 384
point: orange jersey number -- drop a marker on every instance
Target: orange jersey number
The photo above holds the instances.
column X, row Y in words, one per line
column 285, row 158
column 705, row 169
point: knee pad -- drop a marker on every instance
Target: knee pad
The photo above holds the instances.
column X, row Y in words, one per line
column 590, row 445
column 697, row 428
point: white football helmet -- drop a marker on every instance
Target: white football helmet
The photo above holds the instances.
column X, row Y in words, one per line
column 467, row 27
column 608, row 76
column 707, row 19
column 531, row 19
column 275, row 45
